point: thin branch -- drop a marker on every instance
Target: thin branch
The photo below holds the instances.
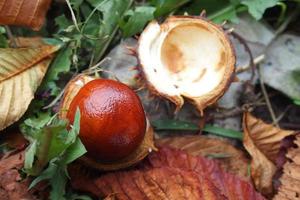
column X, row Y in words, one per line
column 292, row 16
column 269, row 105
column 57, row 98
column 279, row 118
column 11, row 37
column 248, row 50
column 256, row 61
column 73, row 16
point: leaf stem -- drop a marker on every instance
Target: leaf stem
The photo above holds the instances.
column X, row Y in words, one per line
column 11, row 37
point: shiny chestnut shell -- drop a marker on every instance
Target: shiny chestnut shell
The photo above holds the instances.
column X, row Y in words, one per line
column 113, row 121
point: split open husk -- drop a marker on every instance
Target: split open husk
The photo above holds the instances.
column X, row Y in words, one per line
column 139, row 154
column 186, row 57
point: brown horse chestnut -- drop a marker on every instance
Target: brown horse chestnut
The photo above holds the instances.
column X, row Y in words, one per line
column 113, row 121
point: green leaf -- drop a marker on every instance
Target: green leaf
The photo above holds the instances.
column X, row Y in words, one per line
column 29, row 154
column 110, row 13
column 53, row 41
column 210, row 6
column 57, row 136
column 297, row 102
column 62, row 23
column 37, row 122
column 2, row 30
column 137, row 20
column 46, row 174
column 3, row 39
column 73, row 196
column 164, row 7
column 75, row 151
column 76, row 124
column 176, row 125
column 61, row 64
column 228, row 13
column 257, row 7
column 76, row 3
column 58, row 184
column 54, row 144
column 169, row 124
column 223, row 132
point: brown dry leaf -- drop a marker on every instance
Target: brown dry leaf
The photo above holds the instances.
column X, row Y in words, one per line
column 266, row 137
column 262, row 141
column 231, row 159
column 13, row 138
column 24, row 12
column 167, row 174
column 11, row 184
column 21, row 72
column 290, row 180
column 25, row 42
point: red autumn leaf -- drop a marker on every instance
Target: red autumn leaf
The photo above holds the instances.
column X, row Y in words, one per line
column 167, row 174
column 231, row 159
column 30, row 13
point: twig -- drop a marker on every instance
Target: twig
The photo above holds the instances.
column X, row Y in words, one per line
column 73, row 15
column 292, row 16
column 269, row 105
column 248, row 50
column 91, row 68
column 57, row 98
column 279, row 118
column 256, row 61
column 11, row 37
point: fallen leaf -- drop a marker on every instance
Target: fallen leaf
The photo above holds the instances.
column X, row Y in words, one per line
column 158, row 183
column 266, row 137
column 11, row 184
column 11, row 161
column 290, row 180
column 280, row 69
column 228, row 185
column 21, row 72
column 23, row 12
column 231, row 159
column 167, row 174
column 25, row 42
column 262, row 141
column 13, row 139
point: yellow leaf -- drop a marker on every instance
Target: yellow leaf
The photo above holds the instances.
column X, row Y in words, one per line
column 21, row 72
column 262, row 141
